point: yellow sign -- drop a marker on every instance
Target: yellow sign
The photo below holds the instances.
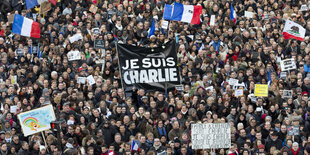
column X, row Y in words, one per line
column 261, row 90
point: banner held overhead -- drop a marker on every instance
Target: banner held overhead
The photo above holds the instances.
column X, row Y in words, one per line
column 149, row 68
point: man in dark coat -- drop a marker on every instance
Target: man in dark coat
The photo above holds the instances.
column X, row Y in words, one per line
column 274, row 141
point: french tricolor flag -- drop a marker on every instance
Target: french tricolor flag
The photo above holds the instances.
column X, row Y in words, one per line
column 134, row 146
column 25, row 27
column 233, row 15
column 184, row 13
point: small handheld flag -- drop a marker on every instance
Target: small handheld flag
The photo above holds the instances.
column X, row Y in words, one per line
column 233, row 15
column 134, row 146
column 152, row 29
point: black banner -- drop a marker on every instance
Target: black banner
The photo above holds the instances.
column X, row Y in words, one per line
column 149, row 68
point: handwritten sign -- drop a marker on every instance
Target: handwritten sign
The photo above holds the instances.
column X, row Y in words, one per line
column 238, row 92
column 248, row 14
column 81, row 80
column 232, row 81
column 164, row 24
column 211, row 136
column 13, row 109
column 261, row 90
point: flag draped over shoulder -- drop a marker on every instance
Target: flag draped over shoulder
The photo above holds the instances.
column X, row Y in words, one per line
column 293, row 30
column 184, row 13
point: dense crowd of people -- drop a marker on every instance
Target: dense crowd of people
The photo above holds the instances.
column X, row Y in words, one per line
column 100, row 119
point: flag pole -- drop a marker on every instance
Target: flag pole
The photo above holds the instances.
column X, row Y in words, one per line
column 119, row 66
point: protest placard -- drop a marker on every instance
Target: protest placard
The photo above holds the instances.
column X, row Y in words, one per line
column 287, row 64
column 287, row 93
column 164, row 24
column 13, row 109
column 179, row 87
column 13, row 79
column 81, row 80
column 238, row 92
column 261, row 90
column 93, row 9
column 11, row 18
column 100, row 44
column 211, row 136
column 232, row 81
column 96, row 30
column 210, row 88
column 239, row 85
column 74, row 55
column 34, row 49
column 283, row 75
column 248, row 14
column 303, row 7
column 36, row 120
column 91, row 80
column 45, row 7
column 76, row 37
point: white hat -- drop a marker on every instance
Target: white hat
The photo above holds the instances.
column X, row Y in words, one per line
column 42, row 147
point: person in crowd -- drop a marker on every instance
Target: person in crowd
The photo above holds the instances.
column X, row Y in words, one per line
column 214, row 58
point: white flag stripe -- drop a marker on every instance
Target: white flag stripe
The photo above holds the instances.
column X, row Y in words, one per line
column 294, row 29
column 41, row 1
column 188, row 13
column 26, row 28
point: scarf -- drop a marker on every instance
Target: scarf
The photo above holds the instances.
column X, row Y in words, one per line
column 11, row 121
column 295, row 153
column 161, row 131
column 8, row 140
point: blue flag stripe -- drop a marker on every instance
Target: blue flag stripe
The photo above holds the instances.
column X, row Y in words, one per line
column 17, row 24
column 152, row 29
column 167, row 12
column 31, row 3
column 177, row 12
column 232, row 10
